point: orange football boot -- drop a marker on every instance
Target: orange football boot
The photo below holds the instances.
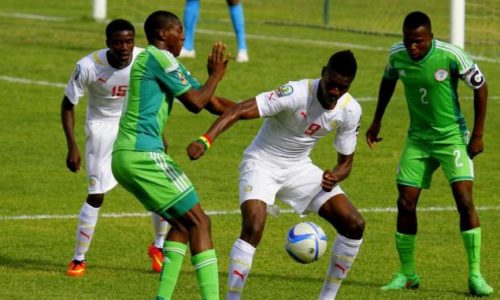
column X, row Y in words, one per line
column 156, row 255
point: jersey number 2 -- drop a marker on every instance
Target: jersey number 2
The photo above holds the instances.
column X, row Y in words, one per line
column 424, row 94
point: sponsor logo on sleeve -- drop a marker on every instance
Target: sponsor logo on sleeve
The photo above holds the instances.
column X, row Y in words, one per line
column 182, row 77
column 271, row 96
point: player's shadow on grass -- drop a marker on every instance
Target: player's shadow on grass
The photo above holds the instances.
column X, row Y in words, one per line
column 60, row 266
column 300, row 279
column 356, row 283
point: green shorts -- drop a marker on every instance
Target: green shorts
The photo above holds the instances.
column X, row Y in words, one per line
column 420, row 159
column 156, row 181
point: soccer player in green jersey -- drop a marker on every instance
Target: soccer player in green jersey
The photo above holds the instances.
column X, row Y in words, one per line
column 139, row 162
column 437, row 136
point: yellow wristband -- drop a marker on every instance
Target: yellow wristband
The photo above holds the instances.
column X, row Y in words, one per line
column 206, row 143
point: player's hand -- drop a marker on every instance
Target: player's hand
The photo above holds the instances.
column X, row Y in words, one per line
column 195, row 150
column 218, row 60
column 476, row 146
column 73, row 159
column 328, row 181
column 372, row 135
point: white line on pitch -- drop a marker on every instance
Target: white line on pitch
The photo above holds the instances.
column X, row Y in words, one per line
column 33, row 82
column 62, row 85
column 235, row 212
column 293, row 40
column 33, row 17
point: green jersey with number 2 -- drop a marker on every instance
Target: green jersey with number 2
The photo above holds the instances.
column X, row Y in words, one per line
column 430, row 86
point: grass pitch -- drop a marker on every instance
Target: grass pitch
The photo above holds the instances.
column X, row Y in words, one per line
column 40, row 198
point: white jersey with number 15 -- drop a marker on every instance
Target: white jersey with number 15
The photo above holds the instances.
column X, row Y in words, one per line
column 106, row 86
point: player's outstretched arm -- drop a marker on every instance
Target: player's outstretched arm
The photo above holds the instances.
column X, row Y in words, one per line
column 385, row 92
column 73, row 158
column 476, row 144
column 244, row 110
column 195, row 100
column 218, row 105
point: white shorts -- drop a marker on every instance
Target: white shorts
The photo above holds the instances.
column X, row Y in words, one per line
column 98, row 148
column 298, row 186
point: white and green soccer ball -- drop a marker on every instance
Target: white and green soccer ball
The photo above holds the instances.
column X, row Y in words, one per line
column 306, row 242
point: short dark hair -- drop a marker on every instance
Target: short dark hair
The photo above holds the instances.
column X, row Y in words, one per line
column 344, row 63
column 118, row 25
column 159, row 19
column 416, row 19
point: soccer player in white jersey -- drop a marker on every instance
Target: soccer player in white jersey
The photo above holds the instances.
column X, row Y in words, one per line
column 437, row 137
column 104, row 74
column 277, row 165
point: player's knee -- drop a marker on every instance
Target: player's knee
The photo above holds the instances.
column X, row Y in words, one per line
column 253, row 228
column 355, row 226
column 203, row 222
column 252, row 232
column 95, row 200
column 406, row 205
column 465, row 206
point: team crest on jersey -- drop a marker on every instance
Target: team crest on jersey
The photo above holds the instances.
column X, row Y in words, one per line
column 182, row 78
column 92, row 181
column 284, row 90
column 248, row 188
column 441, row 75
column 334, row 124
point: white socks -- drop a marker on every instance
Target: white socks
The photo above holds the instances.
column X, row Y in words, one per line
column 160, row 229
column 241, row 258
column 85, row 230
column 86, row 227
column 344, row 252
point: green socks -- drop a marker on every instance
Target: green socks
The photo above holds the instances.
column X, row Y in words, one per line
column 405, row 244
column 205, row 264
column 472, row 243
column 173, row 253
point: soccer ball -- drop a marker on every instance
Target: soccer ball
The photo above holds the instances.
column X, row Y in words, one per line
column 305, row 242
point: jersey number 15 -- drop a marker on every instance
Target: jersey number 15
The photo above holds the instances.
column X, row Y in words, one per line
column 119, row 90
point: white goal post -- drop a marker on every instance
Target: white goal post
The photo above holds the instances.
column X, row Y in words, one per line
column 99, row 12
column 457, row 24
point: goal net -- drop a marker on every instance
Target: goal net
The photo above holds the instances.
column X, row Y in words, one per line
column 365, row 17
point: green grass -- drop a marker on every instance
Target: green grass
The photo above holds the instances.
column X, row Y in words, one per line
column 34, row 179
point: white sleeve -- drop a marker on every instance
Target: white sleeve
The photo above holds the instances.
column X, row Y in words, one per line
column 272, row 102
column 78, row 82
column 347, row 134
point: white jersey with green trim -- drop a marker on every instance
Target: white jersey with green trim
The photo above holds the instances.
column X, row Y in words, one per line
column 105, row 85
column 295, row 121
